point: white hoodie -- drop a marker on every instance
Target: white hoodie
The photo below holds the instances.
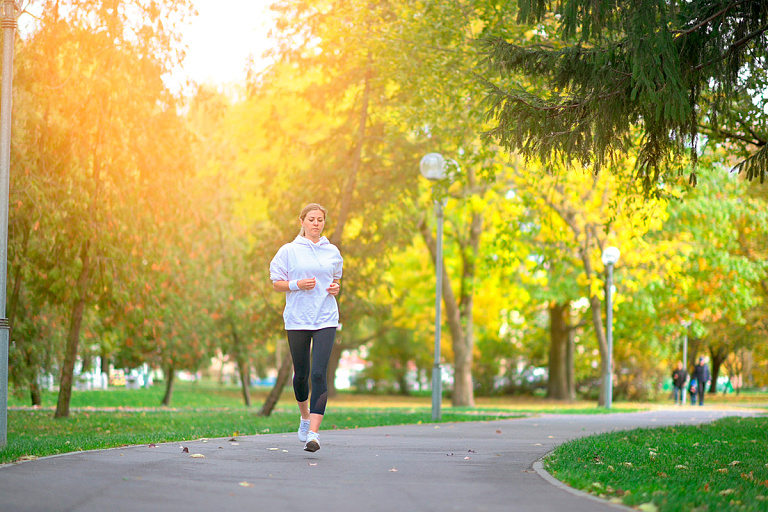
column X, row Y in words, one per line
column 301, row 259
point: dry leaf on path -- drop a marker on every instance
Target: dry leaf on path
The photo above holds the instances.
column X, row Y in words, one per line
column 245, row 484
column 197, row 456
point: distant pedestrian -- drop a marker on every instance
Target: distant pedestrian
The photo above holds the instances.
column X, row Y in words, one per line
column 308, row 270
column 693, row 388
column 701, row 372
column 679, row 376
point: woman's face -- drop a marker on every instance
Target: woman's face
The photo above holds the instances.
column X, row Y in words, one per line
column 313, row 224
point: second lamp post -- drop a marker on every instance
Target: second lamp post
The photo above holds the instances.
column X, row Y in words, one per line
column 610, row 258
column 433, row 168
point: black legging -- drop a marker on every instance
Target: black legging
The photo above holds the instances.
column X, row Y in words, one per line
column 321, row 342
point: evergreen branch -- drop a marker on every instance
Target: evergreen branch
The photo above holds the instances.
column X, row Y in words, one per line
column 756, row 165
column 707, row 20
column 731, row 135
column 735, row 46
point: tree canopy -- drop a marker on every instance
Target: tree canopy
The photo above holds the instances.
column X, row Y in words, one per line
column 681, row 73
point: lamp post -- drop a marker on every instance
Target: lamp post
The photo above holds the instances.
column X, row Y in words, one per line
column 432, row 167
column 8, row 24
column 610, row 258
column 686, row 324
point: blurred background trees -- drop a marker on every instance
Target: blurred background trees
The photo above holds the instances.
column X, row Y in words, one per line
column 142, row 220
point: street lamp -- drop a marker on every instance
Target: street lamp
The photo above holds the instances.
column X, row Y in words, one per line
column 610, row 258
column 432, row 167
column 8, row 24
column 686, row 325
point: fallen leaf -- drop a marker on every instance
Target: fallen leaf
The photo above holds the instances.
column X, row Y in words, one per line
column 197, row 456
column 393, row 470
column 471, row 451
column 467, row 458
column 726, row 492
column 627, row 464
column 234, row 444
column 33, row 457
column 232, row 440
column 449, row 455
column 537, row 444
column 152, row 445
column 735, row 463
column 499, row 432
column 748, row 476
column 761, row 497
column 706, row 487
column 722, row 470
column 245, row 484
column 648, row 507
column 273, row 449
column 313, row 463
column 681, row 466
column 285, row 451
column 184, row 449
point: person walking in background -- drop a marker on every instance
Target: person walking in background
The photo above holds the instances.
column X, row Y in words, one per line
column 679, row 376
column 701, row 372
column 308, row 271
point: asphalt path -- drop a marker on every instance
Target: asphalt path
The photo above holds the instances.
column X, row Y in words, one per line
column 478, row 466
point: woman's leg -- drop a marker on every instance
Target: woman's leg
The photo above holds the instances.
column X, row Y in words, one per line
column 299, row 343
column 322, row 344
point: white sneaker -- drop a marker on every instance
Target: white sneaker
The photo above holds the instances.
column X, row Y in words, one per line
column 313, row 442
column 303, row 430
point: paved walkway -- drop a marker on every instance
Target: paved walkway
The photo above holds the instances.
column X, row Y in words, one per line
column 486, row 466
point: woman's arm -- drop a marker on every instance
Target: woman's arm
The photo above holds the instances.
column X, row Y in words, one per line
column 303, row 284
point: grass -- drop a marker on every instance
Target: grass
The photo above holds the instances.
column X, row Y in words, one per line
column 721, row 466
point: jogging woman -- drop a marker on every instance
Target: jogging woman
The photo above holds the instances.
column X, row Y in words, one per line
column 308, row 270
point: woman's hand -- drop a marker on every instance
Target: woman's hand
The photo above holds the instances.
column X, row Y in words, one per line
column 306, row 284
column 334, row 289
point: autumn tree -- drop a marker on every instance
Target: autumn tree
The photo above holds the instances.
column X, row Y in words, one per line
column 95, row 160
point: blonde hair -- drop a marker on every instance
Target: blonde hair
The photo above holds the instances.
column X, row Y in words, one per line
column 311, row 207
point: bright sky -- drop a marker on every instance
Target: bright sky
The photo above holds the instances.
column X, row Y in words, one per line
column 218, row 40
column 221, row 38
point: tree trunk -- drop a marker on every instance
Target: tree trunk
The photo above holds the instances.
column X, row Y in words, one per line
column 170, row 377
column 570, row 362
column 333, row 365
column 243, row 367
column 73, row 337
column 32, row 373
column 718, row 356
column 282, row 379
column 245, row 379
column 557, row 385
column 357, row 161
column 35, row 395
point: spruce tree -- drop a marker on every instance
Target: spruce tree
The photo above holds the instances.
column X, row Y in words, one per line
column 675, row 73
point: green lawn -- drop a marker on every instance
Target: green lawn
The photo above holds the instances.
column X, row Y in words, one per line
column 722, row 466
